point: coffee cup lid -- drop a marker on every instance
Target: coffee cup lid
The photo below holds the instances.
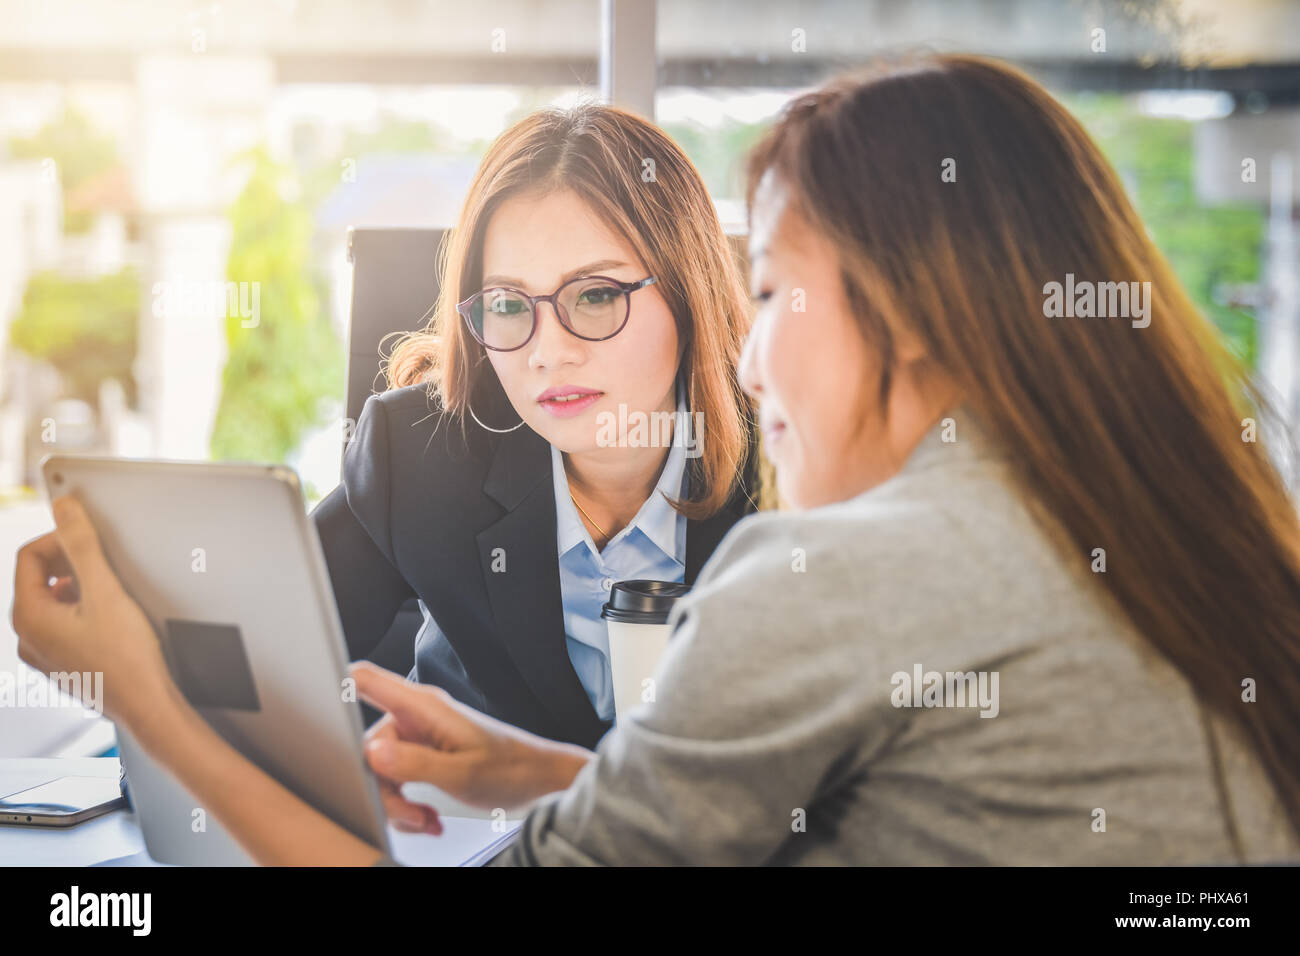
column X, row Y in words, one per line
column 642, row 602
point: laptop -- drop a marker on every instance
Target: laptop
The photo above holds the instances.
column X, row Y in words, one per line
column 226, row 564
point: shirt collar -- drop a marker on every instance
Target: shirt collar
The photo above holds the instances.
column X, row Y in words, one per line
column 569, row 530
column 657, row 519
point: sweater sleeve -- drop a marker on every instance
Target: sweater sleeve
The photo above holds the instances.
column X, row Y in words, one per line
column 762, row 707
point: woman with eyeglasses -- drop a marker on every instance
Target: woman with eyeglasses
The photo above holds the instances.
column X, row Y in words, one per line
column 570, row 418
column 1037, row 601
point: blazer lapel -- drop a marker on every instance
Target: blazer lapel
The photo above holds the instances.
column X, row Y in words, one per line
column 521, row 571
column 702, row 538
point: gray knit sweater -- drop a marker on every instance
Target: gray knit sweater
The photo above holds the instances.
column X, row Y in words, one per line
column 914, row 676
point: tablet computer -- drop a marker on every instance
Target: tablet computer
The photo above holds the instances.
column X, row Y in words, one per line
column 226, row 564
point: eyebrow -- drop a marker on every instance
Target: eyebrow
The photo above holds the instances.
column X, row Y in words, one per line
column 588, row 269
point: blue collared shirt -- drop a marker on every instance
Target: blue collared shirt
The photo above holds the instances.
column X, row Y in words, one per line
column 653, row 546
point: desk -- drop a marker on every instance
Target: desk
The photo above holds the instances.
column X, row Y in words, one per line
column 115, row 839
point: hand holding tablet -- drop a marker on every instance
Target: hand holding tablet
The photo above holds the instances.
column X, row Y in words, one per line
column 85, row 621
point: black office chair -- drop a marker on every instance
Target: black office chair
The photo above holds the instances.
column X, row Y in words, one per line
column 394, row 285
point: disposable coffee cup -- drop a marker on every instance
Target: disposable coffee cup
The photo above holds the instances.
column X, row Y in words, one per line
column 636, row 615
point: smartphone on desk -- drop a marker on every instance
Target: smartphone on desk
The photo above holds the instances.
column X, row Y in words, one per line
column 63, row 802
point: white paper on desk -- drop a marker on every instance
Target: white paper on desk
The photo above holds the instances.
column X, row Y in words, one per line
column 448, row 806
column 465, row 841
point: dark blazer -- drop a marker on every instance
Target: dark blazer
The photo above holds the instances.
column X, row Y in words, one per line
column 421, row 510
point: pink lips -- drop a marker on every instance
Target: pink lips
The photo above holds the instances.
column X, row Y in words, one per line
column 772, row 429
column 565, row 401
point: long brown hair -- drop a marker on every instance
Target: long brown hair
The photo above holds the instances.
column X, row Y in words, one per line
column 1126, row 438
column 641, row 183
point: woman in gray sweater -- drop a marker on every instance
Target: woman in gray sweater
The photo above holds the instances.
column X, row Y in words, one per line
column 1034, row 599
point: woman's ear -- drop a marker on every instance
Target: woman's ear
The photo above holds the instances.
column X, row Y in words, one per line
column 908, row 347
column 915, row 365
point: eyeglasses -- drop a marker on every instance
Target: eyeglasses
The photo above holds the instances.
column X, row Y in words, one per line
column 593, row 308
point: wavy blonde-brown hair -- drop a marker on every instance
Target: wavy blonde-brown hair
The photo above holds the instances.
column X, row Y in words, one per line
column 638, row 181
